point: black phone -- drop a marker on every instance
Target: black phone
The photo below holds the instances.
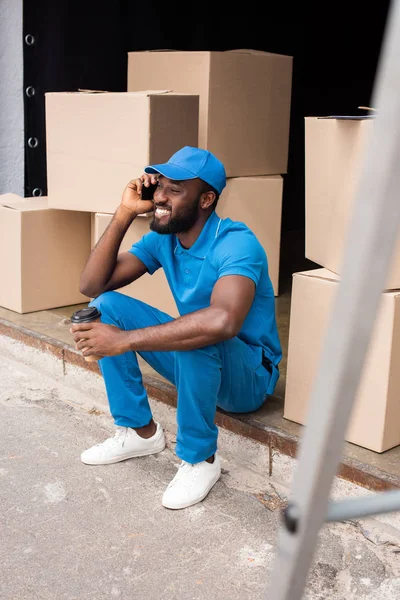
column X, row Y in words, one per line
column 148, row 192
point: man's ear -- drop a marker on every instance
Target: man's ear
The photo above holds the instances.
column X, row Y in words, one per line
column 207, row 199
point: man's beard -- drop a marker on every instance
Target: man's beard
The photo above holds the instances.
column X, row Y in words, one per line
column 179, row 224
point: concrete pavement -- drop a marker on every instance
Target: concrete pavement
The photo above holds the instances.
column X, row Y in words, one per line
column 70, row 531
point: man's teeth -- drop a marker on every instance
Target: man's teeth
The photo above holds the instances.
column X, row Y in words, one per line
column 162, row 211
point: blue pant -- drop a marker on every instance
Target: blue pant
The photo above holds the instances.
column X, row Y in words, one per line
column 227, row 374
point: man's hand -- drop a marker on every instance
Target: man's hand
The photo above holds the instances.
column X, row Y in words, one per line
column 100, row 339
column 132, row 196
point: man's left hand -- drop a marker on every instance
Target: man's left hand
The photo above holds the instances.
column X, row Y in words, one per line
column 100, row 339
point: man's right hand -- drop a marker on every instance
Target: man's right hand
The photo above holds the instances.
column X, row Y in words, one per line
column 132, row 196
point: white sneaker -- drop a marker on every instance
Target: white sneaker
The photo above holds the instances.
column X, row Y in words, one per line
column 192, row 483
column 126, row 443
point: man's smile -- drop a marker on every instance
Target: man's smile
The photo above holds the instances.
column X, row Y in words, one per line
column 162, row 212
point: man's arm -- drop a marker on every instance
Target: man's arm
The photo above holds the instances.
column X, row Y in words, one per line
column 105, row 269
column 231, row 301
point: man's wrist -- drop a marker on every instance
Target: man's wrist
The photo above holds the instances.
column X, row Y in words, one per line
column 125, row 213
column 128, row 342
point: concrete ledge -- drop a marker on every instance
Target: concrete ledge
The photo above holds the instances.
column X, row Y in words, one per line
column 277, row 441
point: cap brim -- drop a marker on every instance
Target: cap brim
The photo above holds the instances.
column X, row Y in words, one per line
column 170, row 171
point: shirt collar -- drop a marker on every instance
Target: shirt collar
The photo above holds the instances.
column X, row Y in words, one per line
column 205, row 239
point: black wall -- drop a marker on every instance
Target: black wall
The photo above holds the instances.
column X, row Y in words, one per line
column 84, row 45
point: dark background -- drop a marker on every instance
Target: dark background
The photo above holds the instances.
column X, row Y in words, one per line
column 84, row 45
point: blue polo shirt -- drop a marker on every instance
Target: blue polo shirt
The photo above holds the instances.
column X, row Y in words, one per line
column 224, row 247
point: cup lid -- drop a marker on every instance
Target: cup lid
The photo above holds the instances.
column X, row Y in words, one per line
column 85, row 315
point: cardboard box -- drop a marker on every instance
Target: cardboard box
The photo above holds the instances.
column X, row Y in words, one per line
column 152, row 289
column 98, row 142
column 245, row 98
column 375, row 419
column 257, row 202
column 42, row 254
column 334, row 152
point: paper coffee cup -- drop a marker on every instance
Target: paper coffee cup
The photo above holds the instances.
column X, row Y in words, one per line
column 87, row 315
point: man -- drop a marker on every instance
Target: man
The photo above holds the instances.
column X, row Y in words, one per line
column 223, row 350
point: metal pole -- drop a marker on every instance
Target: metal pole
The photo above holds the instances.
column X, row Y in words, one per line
column 355, row 508
column 371, row 240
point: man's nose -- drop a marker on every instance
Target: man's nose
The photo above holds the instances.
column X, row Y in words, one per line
column 160, row 197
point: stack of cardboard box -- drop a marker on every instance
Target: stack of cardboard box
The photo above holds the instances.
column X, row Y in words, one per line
column 235, row 104
column 42, row 254
column 334, row 158
column 245, row 98
column 98, row 142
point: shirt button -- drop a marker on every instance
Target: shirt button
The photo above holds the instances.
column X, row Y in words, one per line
column 187, row 271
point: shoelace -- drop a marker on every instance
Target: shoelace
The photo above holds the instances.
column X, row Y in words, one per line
column 184, row 469
column 120, row 432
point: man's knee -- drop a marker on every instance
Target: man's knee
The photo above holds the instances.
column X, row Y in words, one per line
column 120, row 309
column 186, row 357
column 105, row 301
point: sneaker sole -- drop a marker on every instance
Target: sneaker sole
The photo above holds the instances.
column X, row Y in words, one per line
column 187, row 504
column 111, row 461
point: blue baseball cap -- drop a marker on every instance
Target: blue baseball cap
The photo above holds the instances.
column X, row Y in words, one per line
column 189, row 163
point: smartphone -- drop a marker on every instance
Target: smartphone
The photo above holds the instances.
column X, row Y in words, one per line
column 148, row 192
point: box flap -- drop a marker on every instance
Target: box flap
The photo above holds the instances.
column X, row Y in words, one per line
column 99, row 93
column 236, row 50
column 349, row 117
column 24, row 204
column 248, row 51
column 156, row 50
column 254, row 52
column 92, row 91
column 243, row 51
column 152, row 92
column 7, row 199
column 319, row 274
column 329, row 276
